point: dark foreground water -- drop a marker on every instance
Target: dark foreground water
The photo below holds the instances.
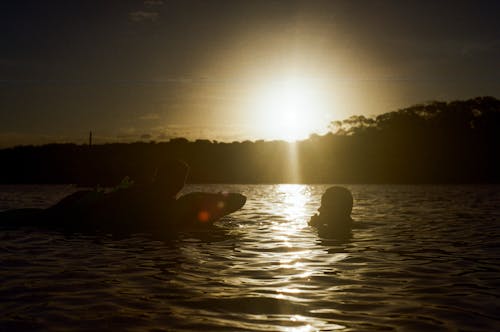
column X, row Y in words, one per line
column 421, row 258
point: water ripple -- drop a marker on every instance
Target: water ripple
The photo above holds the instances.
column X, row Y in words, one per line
column 421, row 258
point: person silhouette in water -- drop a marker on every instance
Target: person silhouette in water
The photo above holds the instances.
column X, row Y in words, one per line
column 167, row 181
column 147, row 206
column 150, row 200
column 121, row 207
column 334, row 218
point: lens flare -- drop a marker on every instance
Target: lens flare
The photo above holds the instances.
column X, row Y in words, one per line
column 203, row 216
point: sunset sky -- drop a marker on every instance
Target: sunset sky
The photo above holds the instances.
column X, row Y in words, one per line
column 232, row 70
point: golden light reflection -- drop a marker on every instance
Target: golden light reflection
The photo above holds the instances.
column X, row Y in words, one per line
column 292, row 206
column 294, row 260
column 308, row 327
column 295, row 198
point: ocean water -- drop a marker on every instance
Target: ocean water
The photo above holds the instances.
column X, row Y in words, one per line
column 422, row 258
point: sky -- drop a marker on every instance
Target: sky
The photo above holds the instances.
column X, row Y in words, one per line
column 232, row 70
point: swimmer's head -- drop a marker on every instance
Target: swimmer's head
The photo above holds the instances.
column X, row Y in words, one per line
column 336, row 201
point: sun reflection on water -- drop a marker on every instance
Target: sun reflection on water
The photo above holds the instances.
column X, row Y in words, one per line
column 282, row 276
column 293, row 199
column 295, row 254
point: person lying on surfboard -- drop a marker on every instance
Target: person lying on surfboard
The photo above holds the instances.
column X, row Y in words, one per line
column 148, row 207
column 334, row 218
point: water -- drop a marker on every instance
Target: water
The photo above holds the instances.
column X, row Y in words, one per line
column 421, row 258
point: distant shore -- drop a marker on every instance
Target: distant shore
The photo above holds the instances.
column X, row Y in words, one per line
column 455, row 142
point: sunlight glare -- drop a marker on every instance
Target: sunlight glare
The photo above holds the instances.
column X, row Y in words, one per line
column 294, row 198
column 290, row 110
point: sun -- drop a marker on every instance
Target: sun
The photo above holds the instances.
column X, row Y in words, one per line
column 289, row 110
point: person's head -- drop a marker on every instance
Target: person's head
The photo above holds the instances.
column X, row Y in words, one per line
column 171, row 176
column 336, row 201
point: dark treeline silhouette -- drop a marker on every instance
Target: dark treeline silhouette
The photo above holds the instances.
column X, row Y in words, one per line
column 437, row 142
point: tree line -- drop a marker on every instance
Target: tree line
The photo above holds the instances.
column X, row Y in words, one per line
column 436, row 142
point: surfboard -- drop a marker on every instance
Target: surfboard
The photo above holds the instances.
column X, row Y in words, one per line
column 206, row 208
column 78, row 212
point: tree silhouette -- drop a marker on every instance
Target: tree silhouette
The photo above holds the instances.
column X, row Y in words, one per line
column 437, row 142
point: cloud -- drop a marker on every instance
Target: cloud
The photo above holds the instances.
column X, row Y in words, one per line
column 150, row 117
column 10, row 139
column 152, row 3
column 143, row 16
column 472, row 48
column 148, row 15
column 221, row 133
